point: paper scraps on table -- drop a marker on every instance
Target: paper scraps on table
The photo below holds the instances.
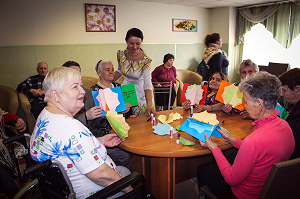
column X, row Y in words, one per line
column 282, row 112
column 129, row 94
column 163, row 129
column 185, row 142
column 177, row 128
column 172, row 116
column 109, row 99
column 117, row 122
column 195, row 93
column 230, row 94
column 205, row 117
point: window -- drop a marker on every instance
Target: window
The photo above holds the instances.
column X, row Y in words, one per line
column 261, row 48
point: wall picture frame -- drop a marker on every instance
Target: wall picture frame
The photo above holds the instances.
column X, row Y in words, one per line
column 184, row 25
column 100, row 18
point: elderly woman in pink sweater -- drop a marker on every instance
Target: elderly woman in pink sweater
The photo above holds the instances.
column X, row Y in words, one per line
column 271, row 141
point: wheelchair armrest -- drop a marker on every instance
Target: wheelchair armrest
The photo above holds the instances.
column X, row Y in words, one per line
column 13, row 138
column 38, row 167
column 118, row 186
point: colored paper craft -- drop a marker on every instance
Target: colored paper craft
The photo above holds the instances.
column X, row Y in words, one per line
column 129, row 94
column 282, row 112
column 185, row 141
column 97, row 101
column 205, row 117
column 230, row 94
column 109, row 99
column 172, row 117
column 198, row 129
column 163, row 129
column 117, row 122
column 194, row 93
column 186, row 90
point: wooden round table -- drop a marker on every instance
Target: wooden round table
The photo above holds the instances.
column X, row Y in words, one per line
column 158, row 157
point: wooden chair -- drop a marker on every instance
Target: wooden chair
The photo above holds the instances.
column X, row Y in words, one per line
column 9, row 99
column 277, row 68
column 186, row 76
column 283, row 182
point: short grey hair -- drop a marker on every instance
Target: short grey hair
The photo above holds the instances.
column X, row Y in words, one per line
column 100, row 64
column 56, row 79
column 246, row 63
column 262, row 85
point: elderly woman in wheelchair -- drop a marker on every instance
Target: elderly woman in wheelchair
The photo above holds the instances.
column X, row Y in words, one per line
column 57, row 135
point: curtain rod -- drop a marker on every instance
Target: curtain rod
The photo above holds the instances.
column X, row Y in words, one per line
column 264, row 4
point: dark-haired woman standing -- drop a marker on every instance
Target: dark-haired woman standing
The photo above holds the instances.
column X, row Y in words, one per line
column 214, row 57
column 134, row 64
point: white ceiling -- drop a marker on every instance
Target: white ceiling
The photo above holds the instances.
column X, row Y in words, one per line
column 212, row 3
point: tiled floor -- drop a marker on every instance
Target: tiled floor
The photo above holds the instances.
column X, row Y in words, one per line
column 187, row 189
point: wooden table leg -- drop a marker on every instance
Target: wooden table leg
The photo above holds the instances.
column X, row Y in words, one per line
column 163, row 177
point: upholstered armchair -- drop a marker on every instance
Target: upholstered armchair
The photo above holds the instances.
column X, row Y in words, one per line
column 25, row 104
column 186, row 76
column 9, row 99
column 88, row 82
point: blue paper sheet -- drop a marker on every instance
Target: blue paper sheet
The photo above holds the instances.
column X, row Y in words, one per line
column 121, row 107
column 95, row 94
column 163, row 129
column 198, row 129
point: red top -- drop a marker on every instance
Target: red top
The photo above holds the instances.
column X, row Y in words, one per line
column 163, row 74
column 271, row 141
column 6, row 118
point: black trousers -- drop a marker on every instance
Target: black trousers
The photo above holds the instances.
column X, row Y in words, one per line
column 36, row 109
column 209, row 174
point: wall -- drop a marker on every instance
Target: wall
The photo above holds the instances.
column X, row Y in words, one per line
column 54, row 31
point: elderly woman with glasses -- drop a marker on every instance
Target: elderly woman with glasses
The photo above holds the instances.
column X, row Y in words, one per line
column 271, row 141
column 57, row 135
column 246, row 69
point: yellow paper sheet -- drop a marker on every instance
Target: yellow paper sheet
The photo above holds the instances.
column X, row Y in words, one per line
column 205, row 117
column 172, row 117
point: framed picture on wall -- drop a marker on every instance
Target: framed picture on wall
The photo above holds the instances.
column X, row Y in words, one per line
column 184, row 25
column 100, row 18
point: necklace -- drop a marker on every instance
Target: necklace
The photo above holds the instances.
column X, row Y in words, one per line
column 102, row 86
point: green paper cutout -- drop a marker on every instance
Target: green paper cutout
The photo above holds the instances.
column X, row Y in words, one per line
column 177, row 128
column 232, row 95
column 117, row 125
column 185, row 142
column 129, row 94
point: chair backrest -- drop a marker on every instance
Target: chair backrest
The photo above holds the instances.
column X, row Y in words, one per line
column 88, row 82
column 186, row 76
column 263, row 68
column 25, row 104
column 9, row 99
column 283, row 181
column 166, row 88
column 277, row 68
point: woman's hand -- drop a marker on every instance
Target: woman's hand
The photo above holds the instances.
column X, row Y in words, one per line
column 127, row 108
column 227, row 108
column 110, row 140
column 200, row 108
column 226, row 136
column 186, row 104
column 209, row 144
column 244, row 114
column 93, row 113
column 20, row 125
column 150, row 110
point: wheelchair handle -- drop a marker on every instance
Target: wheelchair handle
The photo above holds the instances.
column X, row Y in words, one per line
column 14, row 138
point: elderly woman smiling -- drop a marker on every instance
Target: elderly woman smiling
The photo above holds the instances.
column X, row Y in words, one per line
column 271, row 141
column 58, row 136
